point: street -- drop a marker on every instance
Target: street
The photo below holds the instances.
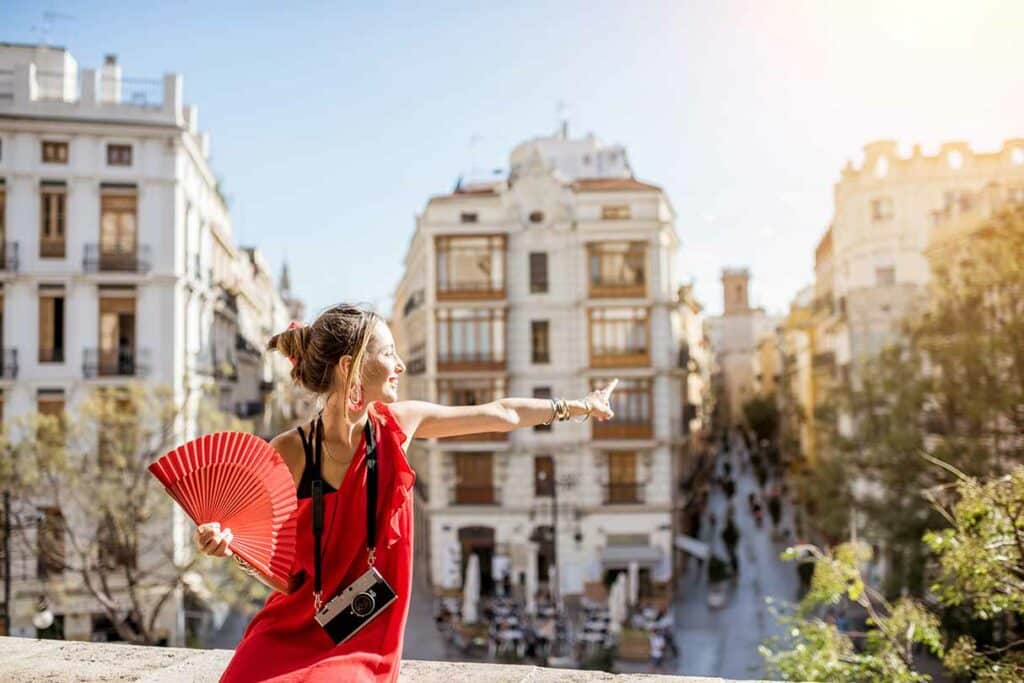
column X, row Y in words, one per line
column 723, row 642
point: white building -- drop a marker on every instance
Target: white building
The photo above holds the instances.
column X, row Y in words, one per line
column 735, row 336
column 885, row 212
column 549, row 282
column 118, row 264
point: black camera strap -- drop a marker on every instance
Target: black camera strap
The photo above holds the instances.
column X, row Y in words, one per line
column 315, row 453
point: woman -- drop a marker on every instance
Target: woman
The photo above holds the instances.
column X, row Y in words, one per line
column 347, row 359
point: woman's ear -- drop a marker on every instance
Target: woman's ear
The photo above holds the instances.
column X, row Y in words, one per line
column 343, row 368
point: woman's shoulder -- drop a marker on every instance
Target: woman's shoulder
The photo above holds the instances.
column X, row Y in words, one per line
column 390, row 417
column 289, row 445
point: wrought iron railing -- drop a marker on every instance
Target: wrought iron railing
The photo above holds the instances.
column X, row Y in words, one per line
column 111, row 259
column 121, row 362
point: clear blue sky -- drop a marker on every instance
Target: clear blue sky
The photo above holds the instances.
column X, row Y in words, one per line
column 332, row 124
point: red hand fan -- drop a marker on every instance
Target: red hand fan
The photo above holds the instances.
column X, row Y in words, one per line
column 240, row 481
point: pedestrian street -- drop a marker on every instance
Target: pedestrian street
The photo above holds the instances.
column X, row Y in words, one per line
column 723, row 642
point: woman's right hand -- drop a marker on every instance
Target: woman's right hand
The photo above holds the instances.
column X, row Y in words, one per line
column 210, row 540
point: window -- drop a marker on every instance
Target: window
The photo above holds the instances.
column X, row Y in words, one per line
column 469, row 339
column 468, row 217
column 881, row 209
column 615, row 212
column 469, row 392
column 542, row 392
column 50, row 403
column 117, row 336
column 118, row 232
column 885, row 276
column 119, row 155
column 51, row 325
column 55, row 152
column 539, row 341
column 536, row 216
column 958, row 199
column 543, row 476
column 53, row 215
column 631, row 402
column 470, row 267
column 618, row 337
column 538, row 272
column 623, row 486
column 50, row 543
column 617, row 268
column 474, row 479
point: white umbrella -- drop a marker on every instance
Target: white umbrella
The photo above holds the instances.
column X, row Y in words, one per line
column 634, row 583
column 471, row 590
column 617, row 604
column 531, row 584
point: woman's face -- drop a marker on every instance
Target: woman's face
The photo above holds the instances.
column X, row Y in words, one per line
column 381, row 366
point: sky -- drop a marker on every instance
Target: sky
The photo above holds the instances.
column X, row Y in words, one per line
column 333, row 123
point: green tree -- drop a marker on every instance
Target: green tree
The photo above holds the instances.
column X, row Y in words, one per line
column 952, row 389
column 979, row 569
column 762, row 416
column 106, row 521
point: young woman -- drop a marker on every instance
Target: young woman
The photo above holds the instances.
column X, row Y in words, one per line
column 347, row 359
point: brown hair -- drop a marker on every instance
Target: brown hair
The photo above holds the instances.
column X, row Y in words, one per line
column 342, row 330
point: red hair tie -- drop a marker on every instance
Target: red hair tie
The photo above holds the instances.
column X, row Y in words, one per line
column 291, row 326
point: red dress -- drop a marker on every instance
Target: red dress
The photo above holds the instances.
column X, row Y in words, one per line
column 283, row 642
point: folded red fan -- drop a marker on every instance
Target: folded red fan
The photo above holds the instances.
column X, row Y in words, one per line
column 242, row 482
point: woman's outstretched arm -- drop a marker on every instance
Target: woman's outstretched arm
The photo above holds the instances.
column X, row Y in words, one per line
column 427, row 420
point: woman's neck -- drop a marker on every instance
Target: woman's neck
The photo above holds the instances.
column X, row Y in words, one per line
column 337, row 427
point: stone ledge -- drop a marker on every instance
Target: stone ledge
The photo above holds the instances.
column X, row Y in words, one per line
column 61, row 661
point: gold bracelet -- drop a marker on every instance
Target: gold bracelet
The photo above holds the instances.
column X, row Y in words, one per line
column 563, row 410
column 245, row 566
column 554, row 413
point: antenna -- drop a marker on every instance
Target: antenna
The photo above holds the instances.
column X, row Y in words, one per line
column 563, row 119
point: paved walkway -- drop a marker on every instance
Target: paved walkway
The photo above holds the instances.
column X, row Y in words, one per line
column 724, row 642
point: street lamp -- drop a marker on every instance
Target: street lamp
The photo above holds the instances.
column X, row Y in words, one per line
column 569, row 482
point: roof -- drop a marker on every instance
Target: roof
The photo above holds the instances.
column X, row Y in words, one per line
column 612, row 185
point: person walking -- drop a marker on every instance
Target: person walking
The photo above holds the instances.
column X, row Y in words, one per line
column 731, row 537
column 347, row 359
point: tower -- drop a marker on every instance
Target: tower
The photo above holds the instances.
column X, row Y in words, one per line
column 735, row 290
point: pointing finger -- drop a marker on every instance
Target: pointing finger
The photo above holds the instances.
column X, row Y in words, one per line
column 611, row 387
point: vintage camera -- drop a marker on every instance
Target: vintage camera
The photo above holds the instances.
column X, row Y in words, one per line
column 352, row 609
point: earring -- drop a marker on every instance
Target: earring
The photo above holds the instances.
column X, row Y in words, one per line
column 355, row 403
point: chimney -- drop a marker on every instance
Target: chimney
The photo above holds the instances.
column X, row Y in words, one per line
column 110, row 81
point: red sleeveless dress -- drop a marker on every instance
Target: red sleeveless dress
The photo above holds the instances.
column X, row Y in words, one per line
column 283, row 643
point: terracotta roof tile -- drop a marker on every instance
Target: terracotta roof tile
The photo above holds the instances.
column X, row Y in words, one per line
column 612, row 185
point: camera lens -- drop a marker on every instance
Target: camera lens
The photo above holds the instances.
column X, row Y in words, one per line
column 362, row 604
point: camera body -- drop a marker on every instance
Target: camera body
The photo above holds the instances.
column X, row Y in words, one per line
column 352, row 609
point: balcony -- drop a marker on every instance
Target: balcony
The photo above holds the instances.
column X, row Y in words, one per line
column 246, row 409
column 624, row 494
column 123, row 362
column 51, row 355
column 455, row 362
column 470, row 267
column 104, row 259
column 9, row 366
column 617, row 270
column 483, row 436
column 476, row 495
column 469, row 290
column 245, row 346
column 617, row 429
column 9, row 261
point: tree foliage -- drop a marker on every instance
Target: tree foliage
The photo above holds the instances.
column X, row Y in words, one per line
column 85, row 504
column 934, row 463
column 953, row 389
column 762, row 416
